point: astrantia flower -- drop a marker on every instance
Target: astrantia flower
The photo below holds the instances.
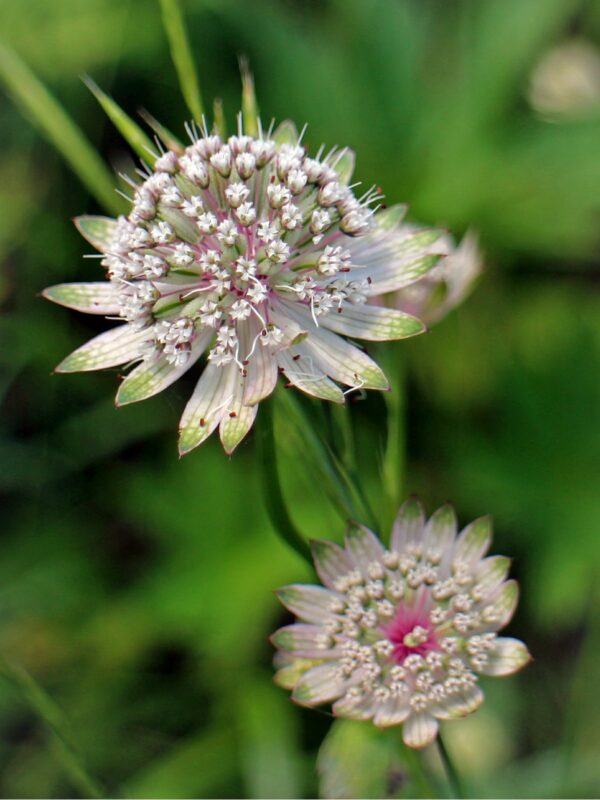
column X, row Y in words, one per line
column 259, row 257
column 400, row 635
column 446, row 285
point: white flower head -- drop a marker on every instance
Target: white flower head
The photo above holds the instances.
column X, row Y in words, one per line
column 400, row 636
column 267, row 258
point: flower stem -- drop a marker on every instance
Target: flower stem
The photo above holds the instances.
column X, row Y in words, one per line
column 456, row 785
column 51, row 715
column 394, row 459
column 272, row 491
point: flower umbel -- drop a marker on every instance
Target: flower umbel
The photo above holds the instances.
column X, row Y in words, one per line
column 400, row 635
column 253, row 253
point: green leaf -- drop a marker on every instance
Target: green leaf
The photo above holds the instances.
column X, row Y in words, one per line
column 357, row 760
column 58, row 127
column 181, row 54
column 132, row 133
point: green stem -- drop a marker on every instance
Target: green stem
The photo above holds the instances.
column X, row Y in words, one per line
column 272, row 491
column 318, row 455
column 394, row 459
column 51, row 715
column 454, row 779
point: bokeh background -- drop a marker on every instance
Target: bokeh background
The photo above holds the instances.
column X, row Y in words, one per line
column 136, row 588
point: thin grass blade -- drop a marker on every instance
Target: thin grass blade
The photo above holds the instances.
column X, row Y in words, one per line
column 164, row 134
column 52, row 716
column 181, row 54
column 132, row 133
column 57, row 126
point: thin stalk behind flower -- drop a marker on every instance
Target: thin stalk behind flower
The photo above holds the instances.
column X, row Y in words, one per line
column 320, row 459
column 273, row 493
column 52, row 716
column 394, row 456
column 452, row 773
column 181, row 53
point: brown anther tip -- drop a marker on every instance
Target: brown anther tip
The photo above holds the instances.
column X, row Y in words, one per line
column 280, row 370
column 245, row 363
column 232, row 414
column 295, row 358
column 202, row 422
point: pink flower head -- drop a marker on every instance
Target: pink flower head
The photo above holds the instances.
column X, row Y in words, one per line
column 400, row 635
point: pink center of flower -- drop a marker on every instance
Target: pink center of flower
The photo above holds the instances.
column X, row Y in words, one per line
column 410, row 632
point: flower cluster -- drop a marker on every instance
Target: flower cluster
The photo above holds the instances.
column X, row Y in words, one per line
column 259, row 256
column 400, row 635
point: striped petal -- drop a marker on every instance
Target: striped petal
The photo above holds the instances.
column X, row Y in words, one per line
column 408, row 525
column 350, row 709
column 331, row 562
column 237, row 420
column 112, row 348
column 91, row 298
column 502, row 605
column 308, row 603
column 335, row 356
column 392, row 712
column 207, row 405
column 460, row 704
column 318, row 685
column 507, row 656
column 490, row 573
column 290, row 669
column 474, row 541
column 343, row 362
column 305, row 641
column 440, row 531
column 261, row 370
column 152, row 376
column 374, row 323
column 419, row 730
column 363, row 546
column 395, row 258
column 400, row 273
column 301, row 372
column 99, row 231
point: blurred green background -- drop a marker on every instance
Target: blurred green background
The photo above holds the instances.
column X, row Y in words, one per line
column 137, row 588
